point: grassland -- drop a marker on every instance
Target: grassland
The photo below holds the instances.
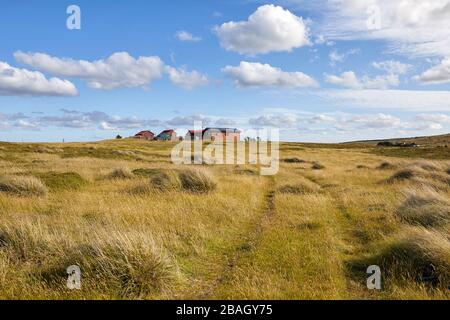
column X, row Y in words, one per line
column 141, row 227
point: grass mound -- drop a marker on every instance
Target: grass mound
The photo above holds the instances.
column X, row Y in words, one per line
column 425, row 207
column 134, row 264
column 426, row 165
column 297, row 189
column 198, row 181
column 57, row 181
column 165, row 181
column 386, row 166
column 130, row 264
column 317, row 166
column 416, row 253
column 405, row 174
column 145, row 172
column 121, row 173
column 293, row 160
column 246, row 171
column 22, row 186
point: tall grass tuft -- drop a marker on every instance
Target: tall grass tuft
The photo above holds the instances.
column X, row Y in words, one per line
column 121, row 173
column 165, row 181
column 401, row 175
column 425, row 207
column 22, row 186
column 197, row 181
column 131, row 264
column 426, row 165
column 317, row 166
column 386, row 166
column 417, row 253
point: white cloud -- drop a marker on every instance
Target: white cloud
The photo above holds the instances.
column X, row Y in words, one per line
column 280, row 120
column 22, row 82
column 433, row 117
column 412, row 27
column 186, row 79
column 189, row 120
column 336, row 57
column 392, row 67
column 437, row 74
column 254, row 74
column 418, row 101
column 378, row 121
column 117, row 71
column 350, row 80
column 269, row 28
column 183, row 35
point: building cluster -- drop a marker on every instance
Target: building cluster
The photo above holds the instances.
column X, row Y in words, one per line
column 207, row 134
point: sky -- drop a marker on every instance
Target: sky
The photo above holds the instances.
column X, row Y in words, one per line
column 318, row 71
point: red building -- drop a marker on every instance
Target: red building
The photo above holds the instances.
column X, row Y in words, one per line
column 144, row 135
column 214, row 134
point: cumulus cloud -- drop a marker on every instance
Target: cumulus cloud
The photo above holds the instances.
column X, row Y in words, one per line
column 350, row 80
column 269, row 29
column 94, row 119
column 254, row 74
column 437, row 74
column 185, row 36
column 377, row 121
column 280, row 120
column 22, row 82
column 412, row 27
column 117, row 71
column 186, row 79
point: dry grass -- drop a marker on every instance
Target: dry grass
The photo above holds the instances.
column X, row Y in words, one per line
column 386, row 166
column 293, row 160
column 405, row 174
column 218, row 231
column 22, row 186
column 121, row 173
column 196, row 180
column 425, row 207
column 132, row 263
column 418, row 254
column 317, row 166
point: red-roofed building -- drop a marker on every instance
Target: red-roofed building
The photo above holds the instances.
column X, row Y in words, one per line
column 144, row 135
column 215, row 134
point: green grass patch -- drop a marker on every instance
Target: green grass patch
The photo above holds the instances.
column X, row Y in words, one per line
column 59, row 181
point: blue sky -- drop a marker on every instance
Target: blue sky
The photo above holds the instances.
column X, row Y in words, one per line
column 323, row 71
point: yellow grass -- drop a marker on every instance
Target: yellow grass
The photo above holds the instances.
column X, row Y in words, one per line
column 164, row 231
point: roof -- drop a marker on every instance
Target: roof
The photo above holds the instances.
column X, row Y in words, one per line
column 167, row 131
column 143, row 133
column 228, row 130
column 195, row 131
column 223, row 130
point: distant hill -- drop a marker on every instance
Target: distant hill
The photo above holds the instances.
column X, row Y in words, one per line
column 440, row 140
